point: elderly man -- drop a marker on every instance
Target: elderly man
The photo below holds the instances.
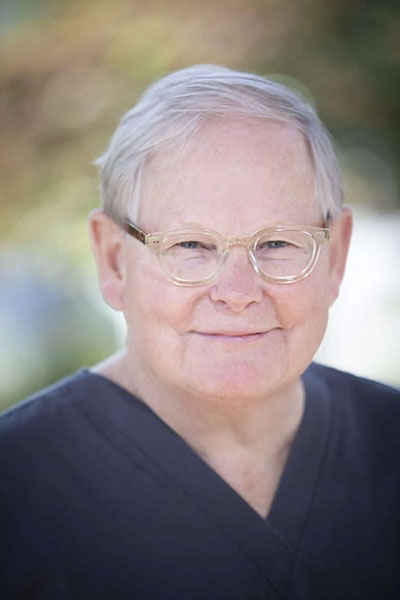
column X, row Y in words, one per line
column 210, row 458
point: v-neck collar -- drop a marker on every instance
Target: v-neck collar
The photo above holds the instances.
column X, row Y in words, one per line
column 271, row 543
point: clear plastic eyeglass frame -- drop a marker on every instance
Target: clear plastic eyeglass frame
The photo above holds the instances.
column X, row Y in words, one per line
column 157, row 241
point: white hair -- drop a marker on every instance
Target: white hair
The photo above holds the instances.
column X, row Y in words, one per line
column 172, row 110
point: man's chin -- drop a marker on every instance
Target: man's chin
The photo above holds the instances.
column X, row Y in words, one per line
column 234, row 380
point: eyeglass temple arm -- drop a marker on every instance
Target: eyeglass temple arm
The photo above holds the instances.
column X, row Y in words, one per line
column 134, row 231
column 327, row 226
column 327, row 221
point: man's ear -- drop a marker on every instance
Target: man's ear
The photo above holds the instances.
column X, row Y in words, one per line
column 340, row 236
column 107, row 241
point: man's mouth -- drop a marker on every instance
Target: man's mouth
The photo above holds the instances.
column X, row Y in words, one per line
column 233, row 336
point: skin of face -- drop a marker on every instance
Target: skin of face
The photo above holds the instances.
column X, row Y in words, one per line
column 236, row 177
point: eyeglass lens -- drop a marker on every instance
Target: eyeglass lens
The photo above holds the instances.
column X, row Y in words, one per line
column 284, row 253
column 197, row 256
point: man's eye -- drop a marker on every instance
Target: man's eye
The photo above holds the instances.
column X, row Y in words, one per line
column 273, row 244
column 190, row 245
column 195, row 245
column 190, row 248
column 277, row 244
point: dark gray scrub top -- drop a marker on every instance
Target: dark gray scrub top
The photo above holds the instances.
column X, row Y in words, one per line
column 100, row 499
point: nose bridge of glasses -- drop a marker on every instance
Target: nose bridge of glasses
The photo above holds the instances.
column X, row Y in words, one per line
column 237, row 240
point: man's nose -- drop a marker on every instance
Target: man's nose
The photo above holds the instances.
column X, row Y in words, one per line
column 238, row 285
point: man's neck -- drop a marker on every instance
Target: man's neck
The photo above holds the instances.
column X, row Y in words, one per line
column 246, row 444
column 260, row 428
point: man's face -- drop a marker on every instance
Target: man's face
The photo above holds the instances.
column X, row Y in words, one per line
column 237, row 177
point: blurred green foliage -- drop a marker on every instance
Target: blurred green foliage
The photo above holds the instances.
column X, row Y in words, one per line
column 70, row 69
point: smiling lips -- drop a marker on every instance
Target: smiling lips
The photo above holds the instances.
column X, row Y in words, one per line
column 233, row 336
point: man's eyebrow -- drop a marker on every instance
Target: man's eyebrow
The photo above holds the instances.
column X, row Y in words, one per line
column 189, row 224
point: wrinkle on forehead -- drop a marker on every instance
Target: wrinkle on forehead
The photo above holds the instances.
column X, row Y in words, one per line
column 214, row 159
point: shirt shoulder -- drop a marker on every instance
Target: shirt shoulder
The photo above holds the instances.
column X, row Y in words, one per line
column 364, row 410
column 45, row 405
column 355, row 388
column 65, row 426
column 48, row 428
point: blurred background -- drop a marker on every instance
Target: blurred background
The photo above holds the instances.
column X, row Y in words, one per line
column 70, row 69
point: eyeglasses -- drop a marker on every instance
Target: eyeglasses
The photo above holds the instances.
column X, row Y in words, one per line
column 193, row 257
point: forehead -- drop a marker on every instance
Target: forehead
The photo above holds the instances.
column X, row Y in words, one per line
column 235, row 176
